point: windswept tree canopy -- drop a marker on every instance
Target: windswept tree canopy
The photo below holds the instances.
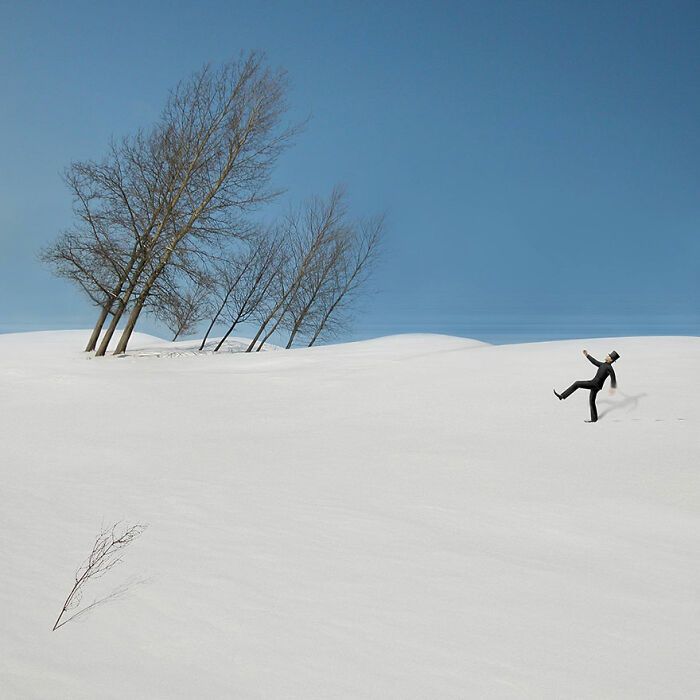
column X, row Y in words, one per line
column 188, row 181
column 163, row 222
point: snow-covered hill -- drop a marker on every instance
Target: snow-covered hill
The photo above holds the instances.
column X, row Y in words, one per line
column 409, row 517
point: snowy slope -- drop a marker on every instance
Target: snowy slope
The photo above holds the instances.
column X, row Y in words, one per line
column 409, row 517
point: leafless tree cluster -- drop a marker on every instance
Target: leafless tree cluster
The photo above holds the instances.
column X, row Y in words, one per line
column 162, row 223
column 299, row 278
column 104, row 556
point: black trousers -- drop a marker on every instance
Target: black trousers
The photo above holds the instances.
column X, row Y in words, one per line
column 586, row 384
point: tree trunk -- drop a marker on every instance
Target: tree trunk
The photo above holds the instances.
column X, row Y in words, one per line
column 143, row 296
column 259, row 333
column 274, row 328
column 324, row 320
column 92, row 343
column 131, row 323
column 120, row 312
column 122, row 301
column 214, row 320
column 228, row 333
column 211, row 325
column 295, row 330
column 330, row 311
column 110, row 330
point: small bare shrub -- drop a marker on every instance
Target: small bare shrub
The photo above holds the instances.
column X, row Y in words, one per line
column 105, row 554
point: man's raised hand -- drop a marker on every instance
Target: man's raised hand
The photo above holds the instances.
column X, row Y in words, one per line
column 585, row 352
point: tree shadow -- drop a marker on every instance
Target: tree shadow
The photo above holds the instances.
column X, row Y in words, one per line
column 115, row 595
column 630, row 401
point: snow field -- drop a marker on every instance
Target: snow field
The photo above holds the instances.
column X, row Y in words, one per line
column 409, row 517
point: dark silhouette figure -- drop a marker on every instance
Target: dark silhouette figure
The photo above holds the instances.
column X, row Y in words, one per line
column 596, row 384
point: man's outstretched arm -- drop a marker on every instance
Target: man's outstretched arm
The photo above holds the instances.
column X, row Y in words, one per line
column 592, row 359
column 613, row 379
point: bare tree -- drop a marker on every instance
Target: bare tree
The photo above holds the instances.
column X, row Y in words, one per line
column 125, row 190
column 181, row 301
column 309, row 235
column 93, row 253
column 305, row 305
column 244, row 282
column 228, row 155
column 349, row 278
column 189, row 181
column 104, row 556
column 162, row 222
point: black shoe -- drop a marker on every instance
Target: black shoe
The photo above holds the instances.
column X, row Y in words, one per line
column 591, row 421
column 559, row 396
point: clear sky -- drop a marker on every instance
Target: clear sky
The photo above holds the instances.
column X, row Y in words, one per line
column 539, row 162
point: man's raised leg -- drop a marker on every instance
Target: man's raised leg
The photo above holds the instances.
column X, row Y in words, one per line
column 571, row 389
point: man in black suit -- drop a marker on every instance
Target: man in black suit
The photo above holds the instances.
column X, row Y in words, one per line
column 596, row 384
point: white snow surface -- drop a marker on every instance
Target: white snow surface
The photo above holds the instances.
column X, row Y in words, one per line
column 409, row 517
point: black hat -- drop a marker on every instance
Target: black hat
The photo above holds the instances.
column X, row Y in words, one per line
column 614, row 356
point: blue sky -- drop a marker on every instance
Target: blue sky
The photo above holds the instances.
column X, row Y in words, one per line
column 538, row 162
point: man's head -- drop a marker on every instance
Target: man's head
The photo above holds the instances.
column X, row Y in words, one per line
column 611, row 357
